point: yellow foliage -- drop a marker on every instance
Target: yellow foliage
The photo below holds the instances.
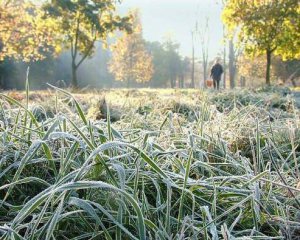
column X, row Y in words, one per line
column 131, row 61
column 24, row 33
column 254, row 67
column 265, row 25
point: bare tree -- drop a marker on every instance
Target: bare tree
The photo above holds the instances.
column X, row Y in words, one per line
column 193, row 59
column 224, row 56
column 203, row 34
column 232, row 55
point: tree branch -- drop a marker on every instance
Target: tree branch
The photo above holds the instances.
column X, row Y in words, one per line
column 273, row 49
column 76, row 38
column 72, row 49
column 86, row 53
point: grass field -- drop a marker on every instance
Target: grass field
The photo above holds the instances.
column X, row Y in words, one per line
column 155, row 164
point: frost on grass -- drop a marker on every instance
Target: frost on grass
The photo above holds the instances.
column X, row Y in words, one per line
column 172, row 165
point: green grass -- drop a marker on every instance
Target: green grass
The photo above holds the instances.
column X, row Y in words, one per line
column 172, row 165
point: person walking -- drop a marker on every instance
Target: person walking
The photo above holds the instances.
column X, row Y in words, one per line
column 216, row 73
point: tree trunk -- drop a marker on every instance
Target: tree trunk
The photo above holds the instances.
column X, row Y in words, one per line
column 172, row 81
column 74, row 76
column 224, row 58
column 268, row 70
column 205, row 72
column 193, row 62
column 182, row 81
column 232, row 66
column 204, row 63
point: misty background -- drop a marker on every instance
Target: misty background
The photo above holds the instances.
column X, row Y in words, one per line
column 161, row 20
column 178, row 18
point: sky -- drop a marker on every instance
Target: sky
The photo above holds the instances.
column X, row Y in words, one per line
column 177, row 18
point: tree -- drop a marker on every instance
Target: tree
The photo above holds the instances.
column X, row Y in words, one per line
column 204, row 42
column 25, row 37
column 265, row 27
column 24, row 34
column 222, row 2
column 173, row 60
column 224, row 56
column 233, row 55
column 284, row 70
column 159, row 60
column 131, row 62
column 82, row 23
column 193, row 60
column 252, row 67
column 168, row 65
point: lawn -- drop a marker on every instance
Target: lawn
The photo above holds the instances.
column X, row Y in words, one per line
column 149, row 164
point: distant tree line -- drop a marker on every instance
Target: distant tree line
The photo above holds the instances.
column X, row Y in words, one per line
column 69, row 43
column 73, row 48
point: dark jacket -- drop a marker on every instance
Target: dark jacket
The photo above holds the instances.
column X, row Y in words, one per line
column 216, row 71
